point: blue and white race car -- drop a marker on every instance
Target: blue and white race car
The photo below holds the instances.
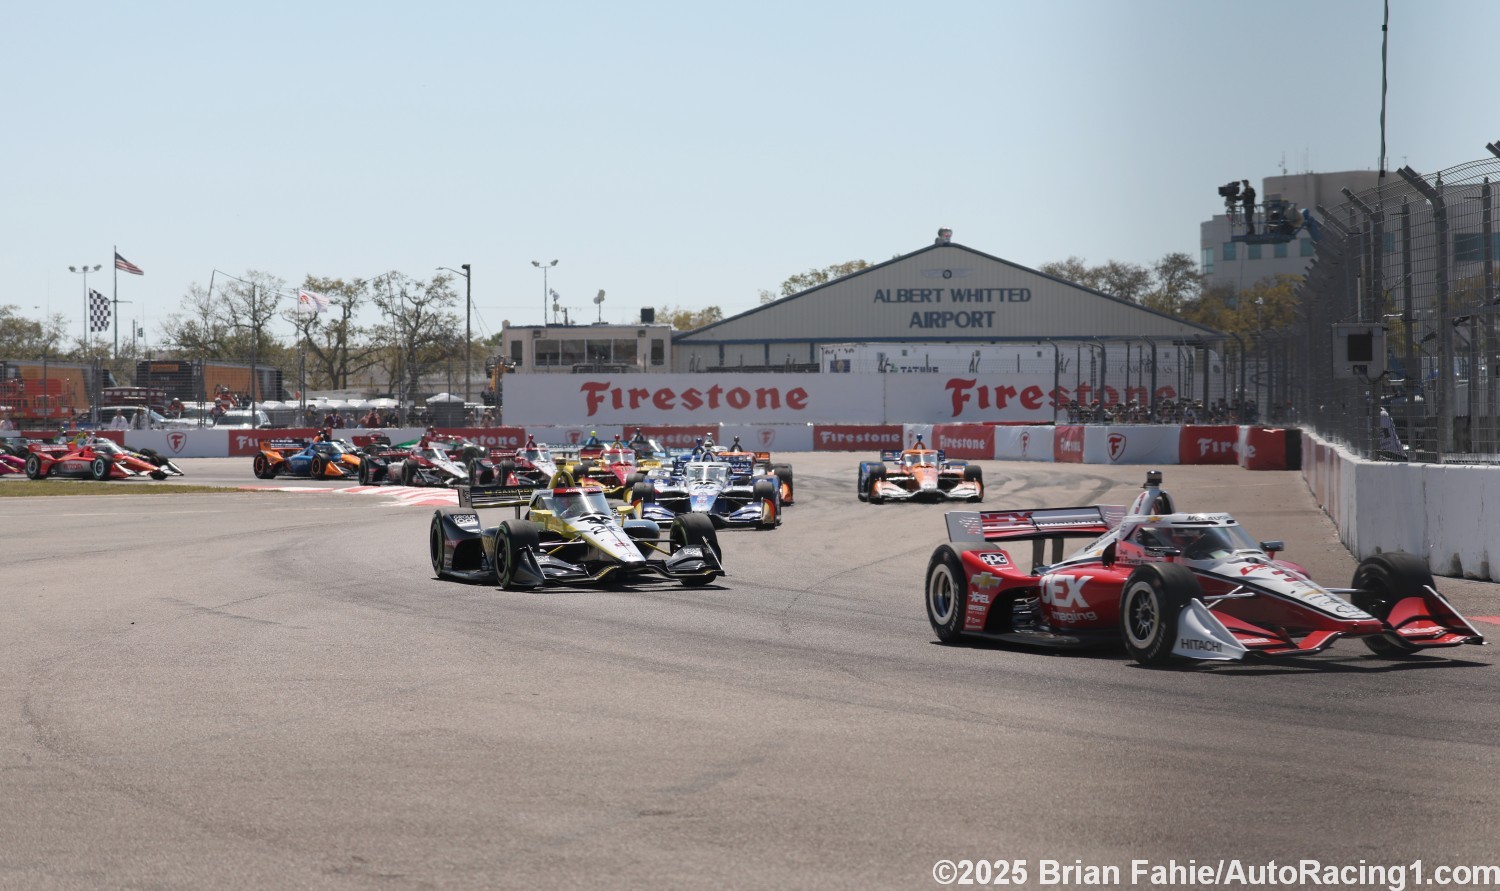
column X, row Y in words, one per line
column 728, row 491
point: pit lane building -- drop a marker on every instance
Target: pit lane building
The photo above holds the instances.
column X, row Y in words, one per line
column 944, row 293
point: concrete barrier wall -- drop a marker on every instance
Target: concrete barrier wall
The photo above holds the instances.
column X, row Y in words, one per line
column 1440, row 512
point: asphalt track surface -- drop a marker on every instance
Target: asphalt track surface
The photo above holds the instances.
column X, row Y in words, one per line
column 271, row 691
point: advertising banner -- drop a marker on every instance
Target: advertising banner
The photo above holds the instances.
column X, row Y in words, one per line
column 1262, row 448
column 1209, row 444
column 1024, row 443
column 199, row 442
column 1131, row 444
column 694, row 399
column 942, row 398
column 972, row 441
column 768, row 437
column 1067, row 444
column 852, row 438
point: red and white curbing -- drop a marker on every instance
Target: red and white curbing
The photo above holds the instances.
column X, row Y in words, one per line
column 409, row 496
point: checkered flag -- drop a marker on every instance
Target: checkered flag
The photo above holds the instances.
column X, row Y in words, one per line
column 98, row 311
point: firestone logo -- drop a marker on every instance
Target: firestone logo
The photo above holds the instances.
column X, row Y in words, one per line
column 1025, row 442
column 175, row 441
column 830, row 437
column 716, row 398
column 1116, row 446
column 767, row 436
column 947, row 442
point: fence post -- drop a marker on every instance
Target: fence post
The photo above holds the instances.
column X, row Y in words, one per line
column 1434, row 195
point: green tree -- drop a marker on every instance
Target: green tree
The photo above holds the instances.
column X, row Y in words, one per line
column 684, row 319
column 420, row 326
column 814, row 277
column 338, row 348
column 1176, row 283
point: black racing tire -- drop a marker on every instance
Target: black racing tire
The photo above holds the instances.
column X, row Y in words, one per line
column 319, row 467
column 34, row 470
column 946, row 594
column 974, row 474
column 436, row 544
column 632, row 478
column 470, row 453
column 783, row 472
column 861, row 488
column 408, row 473
column 364, row 470
column 100, row 467
column 153, row 456
column 503, row 472
column 263, row 468
column 766, row 491
column 1382, row 580
column 158, row 475
column 690, row 530
column 513, row 538
column 1153, row 597
column 642, row 493
column 876, row 473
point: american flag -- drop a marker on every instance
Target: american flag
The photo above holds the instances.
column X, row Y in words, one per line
column 98, row 311
column 122, row 263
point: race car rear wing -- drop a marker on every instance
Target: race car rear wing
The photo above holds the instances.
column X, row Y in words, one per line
column 1055, row 525
column 1047, row 523
column 494, row 496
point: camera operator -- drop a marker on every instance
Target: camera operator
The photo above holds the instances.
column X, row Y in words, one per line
column 1247, row 201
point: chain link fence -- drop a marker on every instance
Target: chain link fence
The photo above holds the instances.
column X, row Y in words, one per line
column 1417, row 255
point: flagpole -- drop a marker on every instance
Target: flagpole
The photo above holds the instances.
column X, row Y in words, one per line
column 115, row 304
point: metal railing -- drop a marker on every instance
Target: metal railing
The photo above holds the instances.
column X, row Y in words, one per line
column 1416, row 254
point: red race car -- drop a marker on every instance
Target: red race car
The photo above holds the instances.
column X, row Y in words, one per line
column 1171, row 585
column 95, row 458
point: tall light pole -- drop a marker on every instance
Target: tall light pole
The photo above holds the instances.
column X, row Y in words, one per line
column 468, row 322
column 544, row 267
column 96, row 394
column 84, row 271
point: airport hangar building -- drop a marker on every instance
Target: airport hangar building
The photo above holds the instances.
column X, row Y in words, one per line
column 944, row 293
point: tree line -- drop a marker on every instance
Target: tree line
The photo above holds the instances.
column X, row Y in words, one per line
column 419, row 327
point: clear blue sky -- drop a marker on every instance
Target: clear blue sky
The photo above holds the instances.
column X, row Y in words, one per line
column 681, row 153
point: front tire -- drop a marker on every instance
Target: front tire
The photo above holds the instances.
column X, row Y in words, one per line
column 1383, row 580
column 695, row 530
column 974, row 474
column 513, row 539
column 947, row 594
column 436, row 544
column 99, row 468
column 877, row 474
column 34, row 469
column 1153, row 598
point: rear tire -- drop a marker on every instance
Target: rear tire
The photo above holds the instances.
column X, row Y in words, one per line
column 319, row 467
column 642, row 493
column 503, row 472
column 512, row 540
column 263, row 468
column 695, row 530
column 408, row 473
column 946, row 594
column 1382, row 580
column 1154, row 596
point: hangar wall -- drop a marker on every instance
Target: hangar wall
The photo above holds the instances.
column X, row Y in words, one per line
column 941, row 293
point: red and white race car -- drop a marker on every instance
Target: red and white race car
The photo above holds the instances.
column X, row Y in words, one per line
column 96, row 458
column 1171, row 585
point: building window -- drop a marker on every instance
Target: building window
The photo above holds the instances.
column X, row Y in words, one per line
column 1208, row 261
column 1228, row 251
column 548, row 353
column 1255, row 252
column 516, row 347
column 1468, row 247
column 658, row 351
column 1280, row 250
column 1307, row 246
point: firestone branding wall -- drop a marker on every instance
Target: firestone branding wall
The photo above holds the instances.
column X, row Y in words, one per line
column 697, row 399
